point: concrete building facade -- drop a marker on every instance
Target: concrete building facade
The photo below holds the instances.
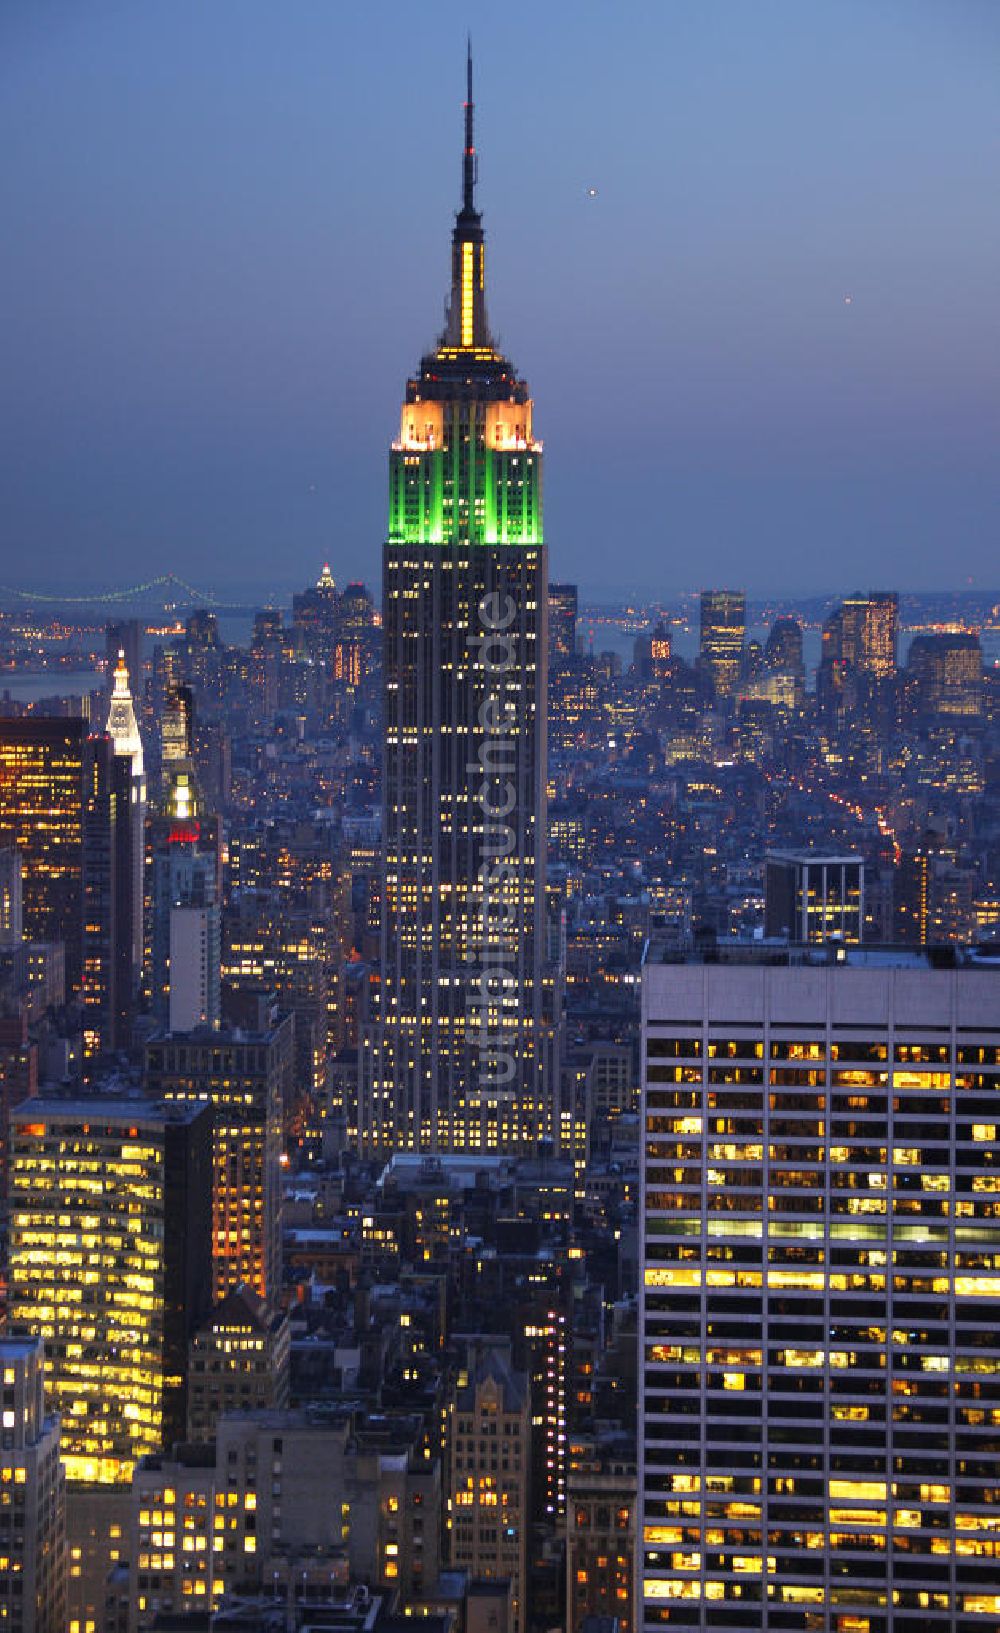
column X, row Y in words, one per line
column 820, row 1294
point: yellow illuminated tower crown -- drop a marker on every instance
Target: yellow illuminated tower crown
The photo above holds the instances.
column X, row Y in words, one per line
column 466, row 467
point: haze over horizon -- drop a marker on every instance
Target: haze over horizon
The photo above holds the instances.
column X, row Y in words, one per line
column 765, row 351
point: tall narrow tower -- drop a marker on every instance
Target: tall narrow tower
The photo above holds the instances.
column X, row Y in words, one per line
column 458, row 1058
column 123, row 730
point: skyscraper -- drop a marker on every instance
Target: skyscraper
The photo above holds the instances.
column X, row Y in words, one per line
column 11, row 898
column 123, row 730
column 316, row 617
column 868, row 632
column 562, row 621
column 177, row 749
column 240, row 1362
column 64, row 803
column 857, row 673
column 32, row 1497
column 244, row 1077
column 819, row 1298
column 723, row 629
column 41, row 813
column 108, row 899
column 195, row 965
column 487, row 1504
column 911, row 890
column 110, row 1231
column 186, row 928
column 814, row 896
column 458, row 1057
column 783, row 654
column 946, row 671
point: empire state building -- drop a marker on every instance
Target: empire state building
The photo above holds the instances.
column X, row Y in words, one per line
column 459, row 1056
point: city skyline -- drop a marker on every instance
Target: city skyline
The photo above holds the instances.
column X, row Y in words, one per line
column 498, row 1091
column 756, row 244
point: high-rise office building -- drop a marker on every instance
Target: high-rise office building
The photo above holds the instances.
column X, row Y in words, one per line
column 832, row 689
column 41, row 813
column 459, row 1057
column 783, row 654
column 653, row 656
column 819, row 1296
column 544, row 1331
column 489, row 1441
column 107, row 900
column 813, row 896
column 723, row 630
column 18, row 1078
column 32, row 1497
column 868, row 632
column 316, row 617
column 64, row 807
column 64, row 803
column 562, row 621
column 784, row 646
column 186, row 940
column 123, row 730
column 291, row 1504
column 184, row 871
column 177, row 745
column 911, row 897
column 946, row 672
column 239, row 1362
column 245, row 1078
column 195, row 966
column 358, row 616
column 11, row 898
column 600, row 1535
column 110, row 1232
column 857, row 672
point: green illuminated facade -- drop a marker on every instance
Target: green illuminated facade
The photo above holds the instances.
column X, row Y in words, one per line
column 445, row 495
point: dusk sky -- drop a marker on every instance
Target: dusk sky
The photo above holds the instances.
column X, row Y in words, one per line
column 766, row 354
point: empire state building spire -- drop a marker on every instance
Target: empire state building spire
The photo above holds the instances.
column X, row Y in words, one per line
column 467, row 329
column 469, row 154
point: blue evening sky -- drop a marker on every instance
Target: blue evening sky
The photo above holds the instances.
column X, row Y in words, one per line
column 767, row 353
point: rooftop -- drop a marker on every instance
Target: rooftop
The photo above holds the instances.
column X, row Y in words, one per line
column 782, row 954
column 815, row 858
column 82, row 1109
column 12, row 1347
column 407, row 1168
